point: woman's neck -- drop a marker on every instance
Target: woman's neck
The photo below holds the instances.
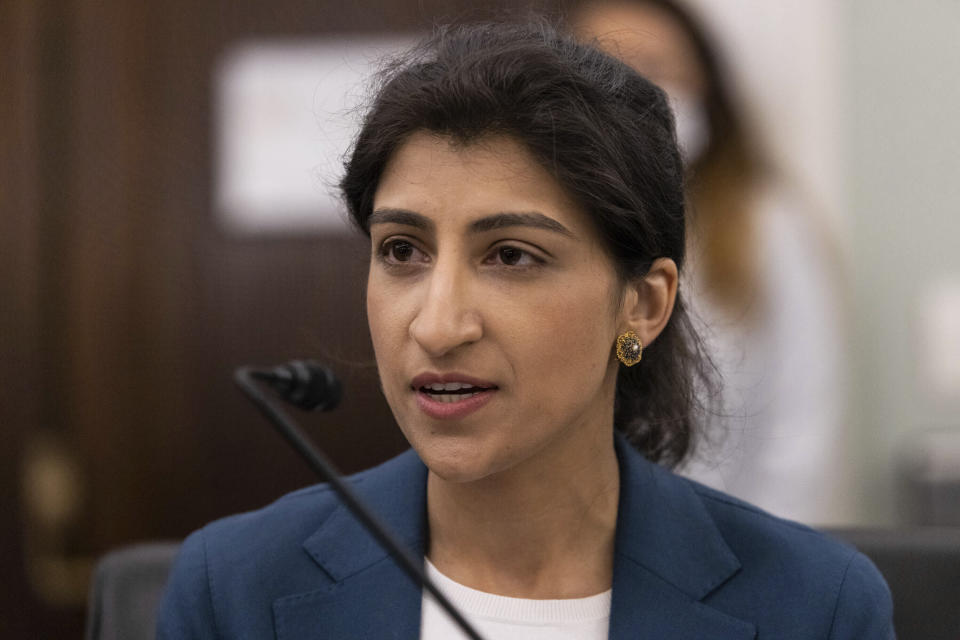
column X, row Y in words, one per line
column 544, row 529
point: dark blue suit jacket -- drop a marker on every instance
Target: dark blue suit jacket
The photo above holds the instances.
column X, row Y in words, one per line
column 691, row 563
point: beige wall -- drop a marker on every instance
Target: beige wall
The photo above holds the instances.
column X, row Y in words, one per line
column 903, row 162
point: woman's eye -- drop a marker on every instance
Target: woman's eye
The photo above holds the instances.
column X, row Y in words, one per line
column 399, row 251
column 514, row 257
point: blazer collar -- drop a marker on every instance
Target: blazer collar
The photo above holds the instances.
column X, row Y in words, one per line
column 669, row 556
column 396, row 492
column 663, row 526
column 369, row 596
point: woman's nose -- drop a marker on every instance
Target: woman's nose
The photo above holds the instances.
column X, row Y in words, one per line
column 447, row 318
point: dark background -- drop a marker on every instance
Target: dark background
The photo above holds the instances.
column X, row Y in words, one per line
column 124, row 307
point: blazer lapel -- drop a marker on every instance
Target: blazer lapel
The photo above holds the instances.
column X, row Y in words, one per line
column 669, row 557
column 645, row 608
column 368, row 595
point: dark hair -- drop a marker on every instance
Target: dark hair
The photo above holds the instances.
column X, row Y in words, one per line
column 603, row 131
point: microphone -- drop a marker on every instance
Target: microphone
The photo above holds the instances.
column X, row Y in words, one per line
column 306, row 384
column 310, row 385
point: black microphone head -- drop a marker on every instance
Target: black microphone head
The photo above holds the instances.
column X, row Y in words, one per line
column 306, row 384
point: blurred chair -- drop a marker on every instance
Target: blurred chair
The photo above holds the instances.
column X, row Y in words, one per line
column 922, row 567
column 126, row 591
column 928, row 477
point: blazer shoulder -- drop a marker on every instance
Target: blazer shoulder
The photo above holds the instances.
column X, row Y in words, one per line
column 791, row 567
column 228, row 573
column 282, row 526
column 750, row 531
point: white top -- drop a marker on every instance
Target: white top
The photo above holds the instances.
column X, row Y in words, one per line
column 502, row 618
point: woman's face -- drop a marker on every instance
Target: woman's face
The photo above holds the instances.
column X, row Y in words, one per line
column 647, row 38
column 652, row 41
column 486, row 276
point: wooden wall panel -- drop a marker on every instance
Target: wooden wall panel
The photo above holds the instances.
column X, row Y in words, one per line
column 19, row 305
column 125, row 307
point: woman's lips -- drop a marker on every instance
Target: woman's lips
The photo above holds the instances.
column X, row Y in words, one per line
column 451, row 395
column 457, row 408
column 429, row 378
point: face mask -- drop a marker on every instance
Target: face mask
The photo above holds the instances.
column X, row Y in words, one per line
column 693, row 128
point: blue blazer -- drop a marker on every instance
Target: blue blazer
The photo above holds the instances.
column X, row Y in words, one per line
column 690, row 563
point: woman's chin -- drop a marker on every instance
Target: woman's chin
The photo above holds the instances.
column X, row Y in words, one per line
column 458, row 462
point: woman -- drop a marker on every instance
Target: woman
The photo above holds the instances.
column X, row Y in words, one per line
column 762, row 274
column 524, row 200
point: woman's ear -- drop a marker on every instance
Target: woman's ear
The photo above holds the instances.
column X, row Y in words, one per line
column 648, row 300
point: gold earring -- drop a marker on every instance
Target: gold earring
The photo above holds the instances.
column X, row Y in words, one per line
column 629, row 348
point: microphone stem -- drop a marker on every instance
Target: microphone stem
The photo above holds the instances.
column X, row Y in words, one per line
column 325, row 469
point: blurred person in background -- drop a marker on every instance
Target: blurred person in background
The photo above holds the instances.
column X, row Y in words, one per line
column 763, row 272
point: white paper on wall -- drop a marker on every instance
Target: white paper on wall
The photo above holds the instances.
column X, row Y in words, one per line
column 286, row 113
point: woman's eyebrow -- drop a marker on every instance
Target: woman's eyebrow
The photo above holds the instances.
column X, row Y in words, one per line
column 523, row 219
column 400, row 216
column 487, row 223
